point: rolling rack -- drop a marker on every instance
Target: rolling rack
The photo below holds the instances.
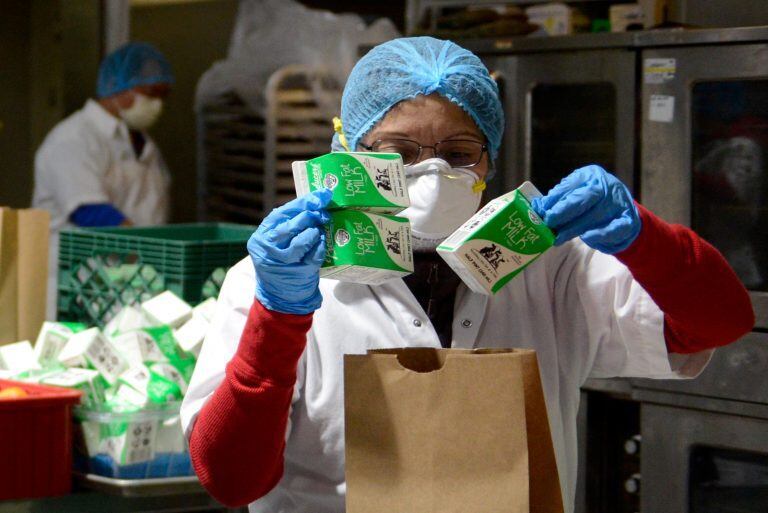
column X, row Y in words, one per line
column 244, row 159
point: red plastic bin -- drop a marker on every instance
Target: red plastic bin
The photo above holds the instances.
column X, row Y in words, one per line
column 36, row 441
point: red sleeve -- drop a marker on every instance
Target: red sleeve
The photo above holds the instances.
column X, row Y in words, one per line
column 704, row 303
column 238, row 438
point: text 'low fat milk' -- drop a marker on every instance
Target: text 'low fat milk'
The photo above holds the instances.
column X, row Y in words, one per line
column 367, row 248
column 498, row 242
column 373, row 182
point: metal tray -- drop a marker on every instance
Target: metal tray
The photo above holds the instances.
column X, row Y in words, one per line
column 151, row 487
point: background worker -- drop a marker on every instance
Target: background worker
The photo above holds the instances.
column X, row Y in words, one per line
column 622, row 294
column 99, row 167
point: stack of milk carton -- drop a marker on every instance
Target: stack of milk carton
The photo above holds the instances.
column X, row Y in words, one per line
column 142, row 360
column 366, row 242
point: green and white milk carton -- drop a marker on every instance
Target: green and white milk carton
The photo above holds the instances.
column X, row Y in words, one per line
column 52, row 338
column 367, row 248
column 18, row 357
column 90, row 348
column 373, row 182
column 129, row 442
column 498, row 242
column 151, row 385
column 88, row 381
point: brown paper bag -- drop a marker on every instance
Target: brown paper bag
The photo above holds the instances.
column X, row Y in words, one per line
column 448, row 431
column 23, row 272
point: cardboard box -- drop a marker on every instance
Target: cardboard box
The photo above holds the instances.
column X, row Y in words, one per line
column 624, row 16
column 555, row 19
column 23, row 272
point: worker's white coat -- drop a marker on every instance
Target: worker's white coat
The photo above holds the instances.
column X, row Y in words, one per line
column 579, row 309
column 88, row 159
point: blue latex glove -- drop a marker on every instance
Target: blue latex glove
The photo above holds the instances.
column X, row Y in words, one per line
column 592, row 204
column 287, row 250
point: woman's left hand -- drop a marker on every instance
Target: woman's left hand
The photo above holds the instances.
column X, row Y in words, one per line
column 592, row 204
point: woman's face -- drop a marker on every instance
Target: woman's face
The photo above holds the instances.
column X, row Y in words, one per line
column 429, row 120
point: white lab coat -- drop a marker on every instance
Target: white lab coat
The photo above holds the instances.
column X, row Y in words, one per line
column 88, row 158
column 579, row 309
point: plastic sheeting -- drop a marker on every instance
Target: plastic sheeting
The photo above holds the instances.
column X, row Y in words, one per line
column 270, row 34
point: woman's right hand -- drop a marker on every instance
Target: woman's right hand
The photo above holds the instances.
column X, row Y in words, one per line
column 287, row 250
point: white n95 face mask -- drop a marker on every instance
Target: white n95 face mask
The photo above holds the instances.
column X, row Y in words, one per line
column 442, row 199
column 143, row 113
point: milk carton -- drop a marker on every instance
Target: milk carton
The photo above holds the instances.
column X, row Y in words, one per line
column 18, row 357
column 128, row 319
column 205, row 310
column 191, row 335
column 183, row 362
column 126, row 399
column 138, row 347
column 52, row 338
column 151, row 385
column 136, row 377
column 91, row 347
column 87, row 381
column 171, row 373
column 128, row 443
column 167, row 308
column 36, row 375
column 367, row 248
column 170, row 436
column 498, row 242
column 373, row 182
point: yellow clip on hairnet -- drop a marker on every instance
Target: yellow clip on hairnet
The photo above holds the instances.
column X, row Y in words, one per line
column 339, row 129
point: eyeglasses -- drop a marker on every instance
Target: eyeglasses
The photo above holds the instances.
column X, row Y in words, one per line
column 457, row 152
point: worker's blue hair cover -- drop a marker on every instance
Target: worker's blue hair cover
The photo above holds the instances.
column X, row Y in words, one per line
column 131, row 65
column 404, row 68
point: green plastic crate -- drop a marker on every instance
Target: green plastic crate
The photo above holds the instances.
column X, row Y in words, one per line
column 103, row 269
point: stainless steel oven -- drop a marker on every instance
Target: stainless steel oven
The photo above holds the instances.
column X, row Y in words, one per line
column 705, row 151
column 736, row 377
column 571, row 109
column 568, row 102
column 705, row 441
column 704, row 163
column 698, row 461
column 682, row 118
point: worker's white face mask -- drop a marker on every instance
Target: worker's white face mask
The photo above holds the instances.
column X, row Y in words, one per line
column 143, row 113
column 442, row 199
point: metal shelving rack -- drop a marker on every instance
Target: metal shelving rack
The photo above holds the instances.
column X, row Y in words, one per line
column 244, row 160
column 415, row 9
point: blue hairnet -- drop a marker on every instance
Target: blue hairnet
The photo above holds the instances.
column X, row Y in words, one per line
column 407, row 67
column 131, row 65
